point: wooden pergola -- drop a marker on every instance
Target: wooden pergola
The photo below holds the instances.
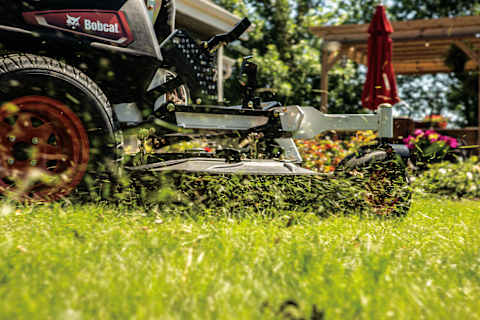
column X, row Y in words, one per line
column 419, row 46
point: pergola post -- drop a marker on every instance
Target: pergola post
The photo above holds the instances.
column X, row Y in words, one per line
column 472, row 54
column 324, row 79
column 329, row 59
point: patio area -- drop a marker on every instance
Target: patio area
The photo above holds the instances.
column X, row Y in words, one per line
column 419, row 47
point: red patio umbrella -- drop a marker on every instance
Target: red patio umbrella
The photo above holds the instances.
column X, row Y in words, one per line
column 381, row 85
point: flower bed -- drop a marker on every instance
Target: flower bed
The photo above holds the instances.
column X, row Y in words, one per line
column 323, row 154
column 429, row 146
column 436, row 121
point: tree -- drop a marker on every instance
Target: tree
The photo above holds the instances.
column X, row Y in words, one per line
column 361, row 11
column 288, row 54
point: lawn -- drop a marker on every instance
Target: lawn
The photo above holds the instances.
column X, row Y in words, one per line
column 90, row 262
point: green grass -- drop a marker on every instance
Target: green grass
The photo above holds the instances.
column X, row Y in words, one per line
column 90, row 262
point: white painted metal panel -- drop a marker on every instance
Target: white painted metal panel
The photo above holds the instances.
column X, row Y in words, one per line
column 310, row 122
column 190, row 120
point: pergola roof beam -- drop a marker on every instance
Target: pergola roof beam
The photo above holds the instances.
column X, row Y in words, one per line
column 431, row 35
column 414, row 42
column 472, row 54
column 399, row 26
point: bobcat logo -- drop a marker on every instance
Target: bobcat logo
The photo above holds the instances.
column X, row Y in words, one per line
column 73, row 22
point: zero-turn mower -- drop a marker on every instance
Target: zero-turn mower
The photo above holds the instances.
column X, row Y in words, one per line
column 80, row 79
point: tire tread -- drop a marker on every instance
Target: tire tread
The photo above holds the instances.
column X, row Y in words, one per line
column 18, row 61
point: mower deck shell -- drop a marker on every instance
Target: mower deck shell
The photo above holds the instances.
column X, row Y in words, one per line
column 222, row 167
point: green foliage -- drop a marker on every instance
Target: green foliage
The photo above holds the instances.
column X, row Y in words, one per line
column 288, row 54
column 95, row 262
column 431, row 9
column 453, row 180
column 463, row 93
column 355, row 11
column 345, row 86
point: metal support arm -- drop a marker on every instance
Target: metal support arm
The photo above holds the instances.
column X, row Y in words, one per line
column 293, row 122
column 308, row 122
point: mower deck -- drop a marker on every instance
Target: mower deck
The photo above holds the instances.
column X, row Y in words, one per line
column 221, row 166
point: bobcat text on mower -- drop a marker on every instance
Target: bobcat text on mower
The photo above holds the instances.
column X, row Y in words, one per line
column 79, row 79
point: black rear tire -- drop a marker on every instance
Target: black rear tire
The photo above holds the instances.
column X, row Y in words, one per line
column 23, row 75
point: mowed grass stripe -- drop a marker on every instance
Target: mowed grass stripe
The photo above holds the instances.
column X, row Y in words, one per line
column 89, row 262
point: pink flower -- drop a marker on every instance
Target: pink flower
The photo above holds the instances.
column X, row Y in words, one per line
column 453, row 143
column 418, row 132
column 429, row 132
column 408, row 139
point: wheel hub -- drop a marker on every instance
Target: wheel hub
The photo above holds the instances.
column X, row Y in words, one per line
column 44, row 149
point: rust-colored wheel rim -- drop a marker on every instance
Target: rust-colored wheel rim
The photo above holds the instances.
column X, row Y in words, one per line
column 44, row 149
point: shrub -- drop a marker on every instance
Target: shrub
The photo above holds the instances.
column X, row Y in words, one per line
column 457, row 180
